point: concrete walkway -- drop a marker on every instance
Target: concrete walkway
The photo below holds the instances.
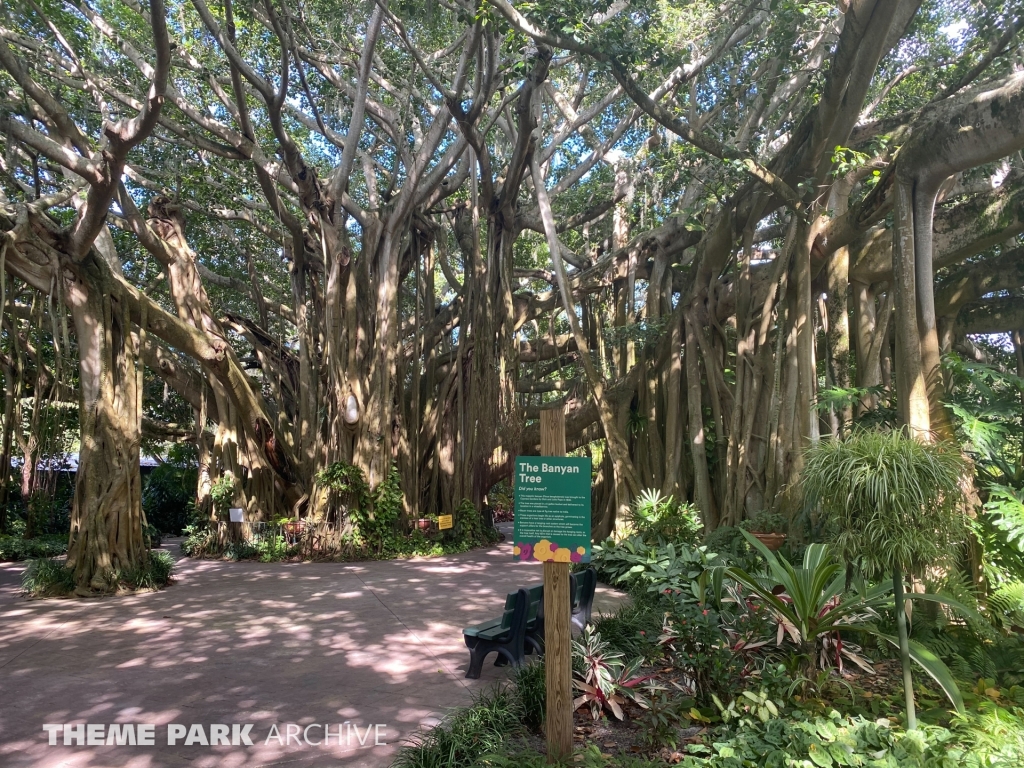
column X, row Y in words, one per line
column 305, row 644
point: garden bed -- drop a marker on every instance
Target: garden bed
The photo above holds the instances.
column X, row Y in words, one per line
column 713, row 665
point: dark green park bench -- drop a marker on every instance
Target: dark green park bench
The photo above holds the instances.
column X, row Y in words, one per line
column 519, row 631
column 507, row 634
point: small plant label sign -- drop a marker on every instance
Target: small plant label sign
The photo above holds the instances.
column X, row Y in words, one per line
column 444, row 522
column 235, row 514
column 552, row 509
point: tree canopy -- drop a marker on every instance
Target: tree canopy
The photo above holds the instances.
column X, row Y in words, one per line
column 294, row 233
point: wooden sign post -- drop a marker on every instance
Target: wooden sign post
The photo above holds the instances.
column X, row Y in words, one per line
column 557, row 609
column 552, row 526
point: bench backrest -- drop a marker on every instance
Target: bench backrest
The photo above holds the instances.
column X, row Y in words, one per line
column 586, row 586
column 514, row 618
column 536, row 597
column 581, row 589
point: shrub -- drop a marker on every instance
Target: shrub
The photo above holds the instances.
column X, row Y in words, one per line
column 51, row 514
column 659, row 519
column 198, row 540
column 642, row 567
column 697, row 645
column 48, row 578
column 634, row 629
column 377, row 522
column 222, row 493
column 810, row 604
column 47, row 545
column 468, row 524
column 373, row 513
column 765, row 522
column 373, row 533
column 729, row 543
column 266, row 549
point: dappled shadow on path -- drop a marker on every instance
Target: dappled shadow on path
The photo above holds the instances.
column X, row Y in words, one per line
column 303, row 643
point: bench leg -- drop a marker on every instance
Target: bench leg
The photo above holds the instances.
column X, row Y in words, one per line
column 506, row 657
column 477, row 654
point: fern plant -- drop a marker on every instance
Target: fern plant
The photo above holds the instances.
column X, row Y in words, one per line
column 985, row 404
column 1006, row 604
column 999, row 530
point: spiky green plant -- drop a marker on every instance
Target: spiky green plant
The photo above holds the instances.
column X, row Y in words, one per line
column 892, row 502
column 813, row 608
column 888, row 500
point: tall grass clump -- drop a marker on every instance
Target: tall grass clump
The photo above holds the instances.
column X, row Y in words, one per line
column 152, row 572
column 48, row 577
column 530, row 686
column 465, row 735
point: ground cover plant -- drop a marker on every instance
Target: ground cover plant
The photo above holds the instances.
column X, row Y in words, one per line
column 760, row 714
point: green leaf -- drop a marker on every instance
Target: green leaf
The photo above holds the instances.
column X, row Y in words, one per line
column 819, row 756
column 933, row 665
column 966, row 611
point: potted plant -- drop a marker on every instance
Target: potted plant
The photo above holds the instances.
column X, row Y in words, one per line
column 292, row 529
column 424, row 524
column 767, row 527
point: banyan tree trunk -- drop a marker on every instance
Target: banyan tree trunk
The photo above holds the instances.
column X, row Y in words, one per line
column 245, row 444
column 5, row 447
column 106, row 517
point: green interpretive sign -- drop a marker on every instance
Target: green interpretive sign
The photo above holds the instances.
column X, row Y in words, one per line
column 552, row 512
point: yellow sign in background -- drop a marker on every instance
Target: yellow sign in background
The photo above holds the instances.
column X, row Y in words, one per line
column 443, row 522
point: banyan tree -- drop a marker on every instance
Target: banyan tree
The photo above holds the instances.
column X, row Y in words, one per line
column 388, row 233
